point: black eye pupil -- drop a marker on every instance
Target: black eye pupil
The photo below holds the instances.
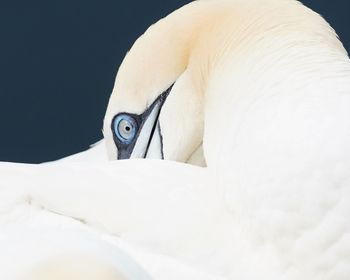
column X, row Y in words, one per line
column 127, row 128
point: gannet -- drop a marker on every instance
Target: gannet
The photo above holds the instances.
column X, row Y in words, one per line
column 259, row 92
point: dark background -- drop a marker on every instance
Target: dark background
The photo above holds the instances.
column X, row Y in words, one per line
column 58, row 61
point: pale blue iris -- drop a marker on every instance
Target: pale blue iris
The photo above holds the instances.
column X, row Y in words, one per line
column 125, row 128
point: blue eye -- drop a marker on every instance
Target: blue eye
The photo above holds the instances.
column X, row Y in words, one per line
column 125, row 128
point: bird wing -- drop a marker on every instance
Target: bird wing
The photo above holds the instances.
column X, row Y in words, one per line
column 88, row 212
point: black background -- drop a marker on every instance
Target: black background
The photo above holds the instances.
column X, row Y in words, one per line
column 58, row 61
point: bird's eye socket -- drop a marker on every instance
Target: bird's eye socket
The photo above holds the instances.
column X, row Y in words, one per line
column 125, row 128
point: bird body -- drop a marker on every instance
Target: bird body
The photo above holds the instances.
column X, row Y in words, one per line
column 259, row 93
column 59, row 217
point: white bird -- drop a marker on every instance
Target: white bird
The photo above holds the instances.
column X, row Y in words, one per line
column 259, row 92
column 264, row 88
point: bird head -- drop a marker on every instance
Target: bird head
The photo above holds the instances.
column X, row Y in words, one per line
column 156, row 107
column 196, row 66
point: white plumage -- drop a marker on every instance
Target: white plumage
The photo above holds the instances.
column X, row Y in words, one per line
column 262, row 94
column 47, row 207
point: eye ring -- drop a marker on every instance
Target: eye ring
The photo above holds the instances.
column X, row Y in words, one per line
column 124, row 128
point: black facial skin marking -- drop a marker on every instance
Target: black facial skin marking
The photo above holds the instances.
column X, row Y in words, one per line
column 125, row 150
column 161, row 139
column 152, row 133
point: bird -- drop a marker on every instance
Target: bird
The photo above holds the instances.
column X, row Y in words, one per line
column 258, row 91
column 228, row 132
